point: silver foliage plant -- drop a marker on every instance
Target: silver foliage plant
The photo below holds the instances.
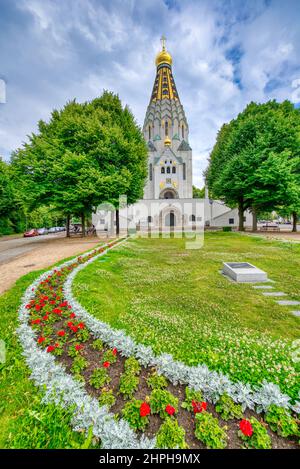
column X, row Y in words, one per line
column 213, row 384
column 59, row 387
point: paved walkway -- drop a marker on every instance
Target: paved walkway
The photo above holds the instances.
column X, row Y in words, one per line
column 19, row 256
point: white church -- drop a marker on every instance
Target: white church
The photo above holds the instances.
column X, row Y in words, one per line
column 168, row 195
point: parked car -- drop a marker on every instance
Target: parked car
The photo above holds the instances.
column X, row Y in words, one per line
column 42, row 231
column 52, row 230
column 30, row 233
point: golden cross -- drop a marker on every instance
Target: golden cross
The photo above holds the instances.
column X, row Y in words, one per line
column 163, row 42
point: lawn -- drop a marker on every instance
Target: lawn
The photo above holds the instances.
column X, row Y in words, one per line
column 176, row 301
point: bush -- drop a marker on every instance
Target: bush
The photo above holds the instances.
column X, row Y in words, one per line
column 259, row 438
column 159, row 399
column 156, row 381
column 132, row 365
column 79, row 364
column 99, row 378
column 107, row 398
column 109, row 356
column 128, row 384
column 97, row 345
column 227, row 228
column 209, row 431
column 171, row 435
column 73, row 352
column 131, row 413
column 191, row 395
column 228, row 409
column 281, row 421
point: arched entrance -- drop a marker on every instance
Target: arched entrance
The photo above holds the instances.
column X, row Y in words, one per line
column 170, row 219
column 168, row 194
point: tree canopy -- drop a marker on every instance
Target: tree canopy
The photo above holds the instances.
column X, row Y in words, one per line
column 255, row 161
column 85, row 155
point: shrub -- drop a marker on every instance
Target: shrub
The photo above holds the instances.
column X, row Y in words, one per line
column 132, row 413
column 209, row 431
column 107, row 398
column 160, row 399
column 128, row 384
column 156, row 381
column 171, row 435
column 109, row 356
column 227, row 228
column 281, row 421
column 228, row 409
column 99, row 378
column 97, row 345
column 83, row 335
column 257, row 438
column 79, row 364
column 75, row 350
column 190, row 396
column 132, row 365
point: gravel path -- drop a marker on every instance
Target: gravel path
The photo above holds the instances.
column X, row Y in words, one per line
column 19, row 256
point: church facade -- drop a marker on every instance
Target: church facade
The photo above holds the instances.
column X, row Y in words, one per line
column 168, row 194
column 166, row 132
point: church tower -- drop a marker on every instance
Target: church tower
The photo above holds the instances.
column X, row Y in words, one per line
column 166, row 132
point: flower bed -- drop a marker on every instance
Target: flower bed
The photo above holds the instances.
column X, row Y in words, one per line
column 82, row 363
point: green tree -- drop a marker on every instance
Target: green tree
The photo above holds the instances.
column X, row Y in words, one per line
column 6, row 198
column 198, row 193
column 85, row 155
column 254, row 163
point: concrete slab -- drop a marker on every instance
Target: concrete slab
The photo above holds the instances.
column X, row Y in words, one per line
column 243, row 272
column 262, row 287
column 288, row 302
column 274, row 293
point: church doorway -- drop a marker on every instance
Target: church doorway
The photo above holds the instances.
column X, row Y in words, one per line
column 170, row 219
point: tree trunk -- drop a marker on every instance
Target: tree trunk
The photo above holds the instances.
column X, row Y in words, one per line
column 254, row 219
column 83, row 224
column 294, row 214
column 117, row 222
column 68, row 226
column 241, row 215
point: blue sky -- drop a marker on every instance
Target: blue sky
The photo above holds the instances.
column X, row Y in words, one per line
column 225, row 54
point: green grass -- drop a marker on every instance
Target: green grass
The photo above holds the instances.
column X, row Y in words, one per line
column 176, row 301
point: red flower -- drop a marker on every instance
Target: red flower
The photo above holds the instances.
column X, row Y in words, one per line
column 50, row 348
column 246, row 427
column 57, row 311
column 41, row 340
column 61, row 333
column 72, row 315
column 81, row 325
column 70, row 324
column 37, row 307
column 144, row 409
column 170, row 410
column 78, row 347
column 199, row 406
column 74, row 328
column 115, row 351
column 106, row 364
column 63, row 304
column 36, row 321
column 52, row 302
column 46, row 317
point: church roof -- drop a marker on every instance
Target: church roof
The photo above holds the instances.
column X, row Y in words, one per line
column 184, row 146
column 164, row 84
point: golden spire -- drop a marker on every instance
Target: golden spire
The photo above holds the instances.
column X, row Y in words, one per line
column 163, row 57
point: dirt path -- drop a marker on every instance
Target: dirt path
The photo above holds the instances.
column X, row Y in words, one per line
column 18, row 260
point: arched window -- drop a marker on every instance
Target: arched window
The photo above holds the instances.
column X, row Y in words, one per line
column 166, row 128
column 174, row 170
column 192, row 218
column 149, row 132
column 168, row 169
column 162, row 170
column 150, row 171
column 182, row 131
column 149, row 219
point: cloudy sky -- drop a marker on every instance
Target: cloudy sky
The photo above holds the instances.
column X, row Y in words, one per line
column 225, row 54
